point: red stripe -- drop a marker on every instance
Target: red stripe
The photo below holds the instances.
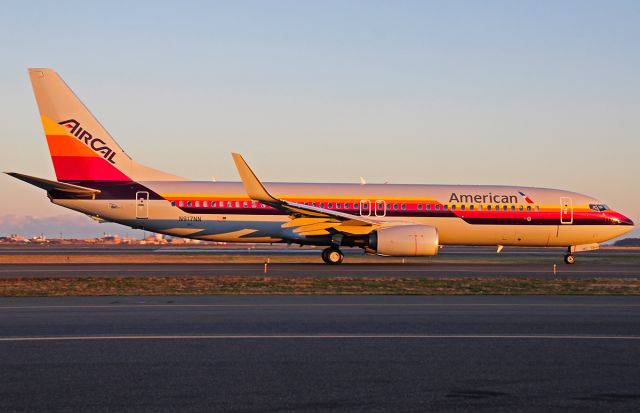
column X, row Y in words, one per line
column 82, row 168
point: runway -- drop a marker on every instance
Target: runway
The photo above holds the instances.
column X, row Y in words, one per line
column 320, row 353
column 451, row 263
column 412, row 270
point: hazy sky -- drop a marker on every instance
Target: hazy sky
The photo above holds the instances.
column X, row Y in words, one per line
column 524, row 93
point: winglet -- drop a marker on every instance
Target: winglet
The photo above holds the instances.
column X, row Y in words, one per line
column 252, row 184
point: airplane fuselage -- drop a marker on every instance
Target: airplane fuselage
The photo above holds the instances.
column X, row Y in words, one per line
column 463, row 215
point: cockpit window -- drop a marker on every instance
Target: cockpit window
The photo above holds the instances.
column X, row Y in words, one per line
column 599, row 207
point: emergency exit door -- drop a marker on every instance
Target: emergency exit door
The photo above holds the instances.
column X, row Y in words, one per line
column 142, row 205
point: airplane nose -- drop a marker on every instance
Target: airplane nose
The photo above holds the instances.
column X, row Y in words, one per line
column 617, row 218
column 625, row 220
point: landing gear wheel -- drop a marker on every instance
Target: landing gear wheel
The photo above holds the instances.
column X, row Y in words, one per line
column 332, row 256
column 570, row 259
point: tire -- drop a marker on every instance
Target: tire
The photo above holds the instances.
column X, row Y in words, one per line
column 324, row 256
column 332, row 256
column 570, row 259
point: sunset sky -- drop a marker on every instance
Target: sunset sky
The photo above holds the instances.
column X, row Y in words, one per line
column 531, row 93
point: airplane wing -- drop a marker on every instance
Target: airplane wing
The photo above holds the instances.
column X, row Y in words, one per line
column 306, row 220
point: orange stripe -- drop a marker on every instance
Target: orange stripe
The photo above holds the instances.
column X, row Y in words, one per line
column 64, row 145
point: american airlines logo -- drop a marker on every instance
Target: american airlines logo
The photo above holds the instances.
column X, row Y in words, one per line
column 96, row 144
column 483, row 198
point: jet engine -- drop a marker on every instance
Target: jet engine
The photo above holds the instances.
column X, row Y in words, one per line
column 404, row 241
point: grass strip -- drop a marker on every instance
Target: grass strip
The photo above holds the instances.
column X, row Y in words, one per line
column 233, row 285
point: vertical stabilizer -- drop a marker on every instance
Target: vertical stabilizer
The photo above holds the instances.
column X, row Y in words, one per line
column 81, row 149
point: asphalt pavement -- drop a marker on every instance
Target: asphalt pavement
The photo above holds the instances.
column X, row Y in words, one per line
column 320, row 353
column 409, row 270
column 452, row 262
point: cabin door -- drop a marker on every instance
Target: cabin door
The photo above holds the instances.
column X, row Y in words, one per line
column 142, row 205
column 566, row 211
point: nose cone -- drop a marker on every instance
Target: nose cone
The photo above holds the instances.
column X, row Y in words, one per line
column 624, row 220
column 617, row 218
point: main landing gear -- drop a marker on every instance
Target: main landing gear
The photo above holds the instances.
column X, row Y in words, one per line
column 332, row 255
column 570, row 259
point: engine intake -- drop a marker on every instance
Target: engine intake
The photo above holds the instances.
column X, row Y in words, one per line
column 405, row 241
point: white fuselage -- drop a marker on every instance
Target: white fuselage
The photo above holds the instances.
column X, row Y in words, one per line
column 474, row 215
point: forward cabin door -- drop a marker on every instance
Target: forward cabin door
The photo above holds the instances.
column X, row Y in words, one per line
column 566, row 211
column 142, row 205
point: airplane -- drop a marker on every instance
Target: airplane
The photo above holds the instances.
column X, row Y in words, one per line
column 97, row 177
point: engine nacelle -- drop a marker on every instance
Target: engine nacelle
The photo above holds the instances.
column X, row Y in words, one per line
column 405, row 241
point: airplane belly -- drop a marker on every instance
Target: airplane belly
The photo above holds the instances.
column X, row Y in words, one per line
column 453, row 231
column 566, row 235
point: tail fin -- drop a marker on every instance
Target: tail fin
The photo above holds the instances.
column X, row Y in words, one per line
column 81, row 149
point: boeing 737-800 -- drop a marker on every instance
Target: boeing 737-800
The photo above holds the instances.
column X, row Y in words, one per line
column 96, row 177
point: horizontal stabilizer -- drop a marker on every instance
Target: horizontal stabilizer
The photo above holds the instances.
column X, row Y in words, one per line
column 48, row 185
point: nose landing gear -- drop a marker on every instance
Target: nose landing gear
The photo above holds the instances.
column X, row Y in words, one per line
column 332, row 256
column 571, row 259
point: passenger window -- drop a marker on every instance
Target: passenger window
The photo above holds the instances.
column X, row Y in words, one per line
column 528, row 207
column 173, row 203
column 428, row 207
column 419, row 207
column 245, row 204
column 330, row 205
column 521, row 208
column 488, row 207
column 404, row 206
column 504, row 208
column 253, row 204
column 537, row 207
column 395, row 206
column 189, row 203
column 198, row 204
column 471, row 207
column 453, row 207
column 513, row 207
column 213, row 204
column 446, row 207
column 463, row 207
column 321, row 204
column 338, row 205
column 437, row 207
column 479, row 207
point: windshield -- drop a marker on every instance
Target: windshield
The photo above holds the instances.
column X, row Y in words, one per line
column 599, row 207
